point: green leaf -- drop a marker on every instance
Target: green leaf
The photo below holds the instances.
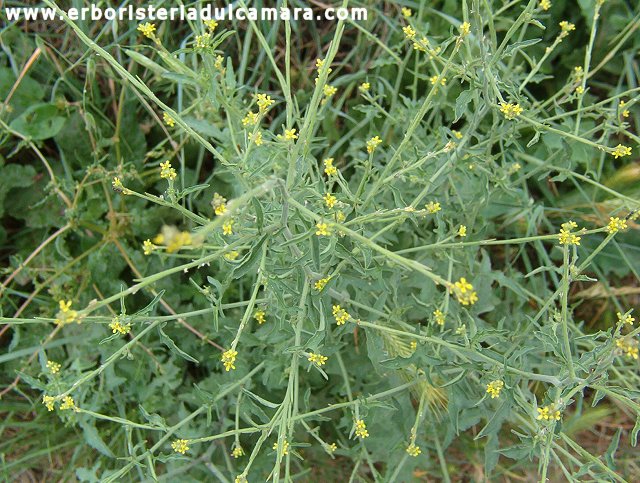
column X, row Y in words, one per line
column 166, row 340
column 93, row 439
column 38, row 122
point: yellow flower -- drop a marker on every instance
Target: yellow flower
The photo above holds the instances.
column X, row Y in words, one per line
column 329, row 90
column 65, row 315
column 68, row 403
column 434, row 80
column 548, row 413
column 147, row 29
column 409, row 32
column 625, row 319
column 228, row 359
column 464, row 292
column 364, row 87
column 290, row 134
column 413, row 450
column 202, row 41
column 320, row 284
column 565, row 237
column 227, row 227
column 615, row 225
column 545, row 5
column 180, row 446
column 494, row 388
column 218, row 63
column 167, row 172
column 211, row 25
column 414, row 345
column 320, row 63
column 237, row 452
column 330, row 169
column 323, row 229
column 117, row 184
column 168, row 120
column 510, row 111
column 361, row 429
column 439, row 317
column 330, row 200
column 256, row 138
column 406, row 12
column 465, row 29
column 49, row 402
column 373, row 143
column 148, row 247
column 219, row 204
column 232, row 255
column 259, row 315
column 579, row 90
column 264, row 102
column 251, row 119
column 462, row 231
column 340, row 217
column 623, row 112
column 331, row 447
column 285, row 447
column 117, row 327
column 340, row 315
column 620, row 151
column 457, row 134
column 53, row 367
column 566, row 27
column 630, row 347
column 433, row 207
column 317, row 359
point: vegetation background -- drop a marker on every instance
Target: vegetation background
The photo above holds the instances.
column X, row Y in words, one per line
column 415, row 259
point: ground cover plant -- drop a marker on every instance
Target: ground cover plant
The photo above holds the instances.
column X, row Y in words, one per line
column 396, row 249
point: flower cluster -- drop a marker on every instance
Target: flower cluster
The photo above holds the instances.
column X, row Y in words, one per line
column 320, row 284
column 168, row 120
column 147, row 29
column 53, row 367
column 438, row 316
column 285, row 447
column 565, row 237
column 464, row 292
column 180, row 446
column 227, row 227
column 229, row 359
column 361, row 429
column 237, row 452
column 413, row 450
column 494, row 388
column 433, row 207
column 330, row 200
column 462, row 231
column 251, row 119
column 465, row 29
column 117, row 327
column 317, row 359
column 68, row 404
column 364, row 87
column 629, row 347
column 264, row 102
column 624, row 112
column 172, row 238
column 615, row 225
column 49, row 402
column 323, row 229
column 260, row 316
column 219, row 204
column 625, row 318
column 545, row 4
column 66, row 315
column 373, row 143
column 329, row 168
column 620, row 151
column 510, row 111
column 167, row 172
column 409, row 32
column 434, row 80
column 549, row 413
column 341, row 315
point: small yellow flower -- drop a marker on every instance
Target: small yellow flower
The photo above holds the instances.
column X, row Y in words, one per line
column 580, row 90
column 256, row 138
column 409, row 32
column 364, row 87
column 264, row 102
column 465, row 29
column 414, row 345
column 361, row 429
column 329, row 168
column 434, row 80
column 117, row 327
column 494, row 388
column 510, row 111
column 565, row 237
column 148, row 247
column 53, row 367
column 464, row 292
column 341, row 315
column 548, row 413
column 329, row 90
column 320, row 284
column 260, row 316
column 232, row 255
column 203, row 40
column 615, row 225
column 620, row 151
column 237, row 452
column 290, row 134
column 147, row 29
column 180, row 446
column 218, row 63
column 323, row 229
column 251, row 119
column 545, row 4
column 167, row 172
column 406, row 12
column 285, row 447
column 330, row 200
column 439, row 317
column 68, row 403
column 623, row 112
column 49, row 402
column 320, row 63
column 219, row 204
column 211, row 25
column 433, row 207
column 65, row 315
column 625, row 319
column 227, row 227
column 462, row 231
column 330, row 448
column 457, row 134
column 317, row 359
column 373, row 143
column 340, row 217
column 566, row 27
column 629, row 347
column 413, row 450
column 228, row 359
column 168, row 120
column 117, row 184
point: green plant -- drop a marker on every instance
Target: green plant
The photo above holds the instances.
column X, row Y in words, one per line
column 350, row 255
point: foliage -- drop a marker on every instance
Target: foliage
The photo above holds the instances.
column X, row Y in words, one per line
column 417, row 255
